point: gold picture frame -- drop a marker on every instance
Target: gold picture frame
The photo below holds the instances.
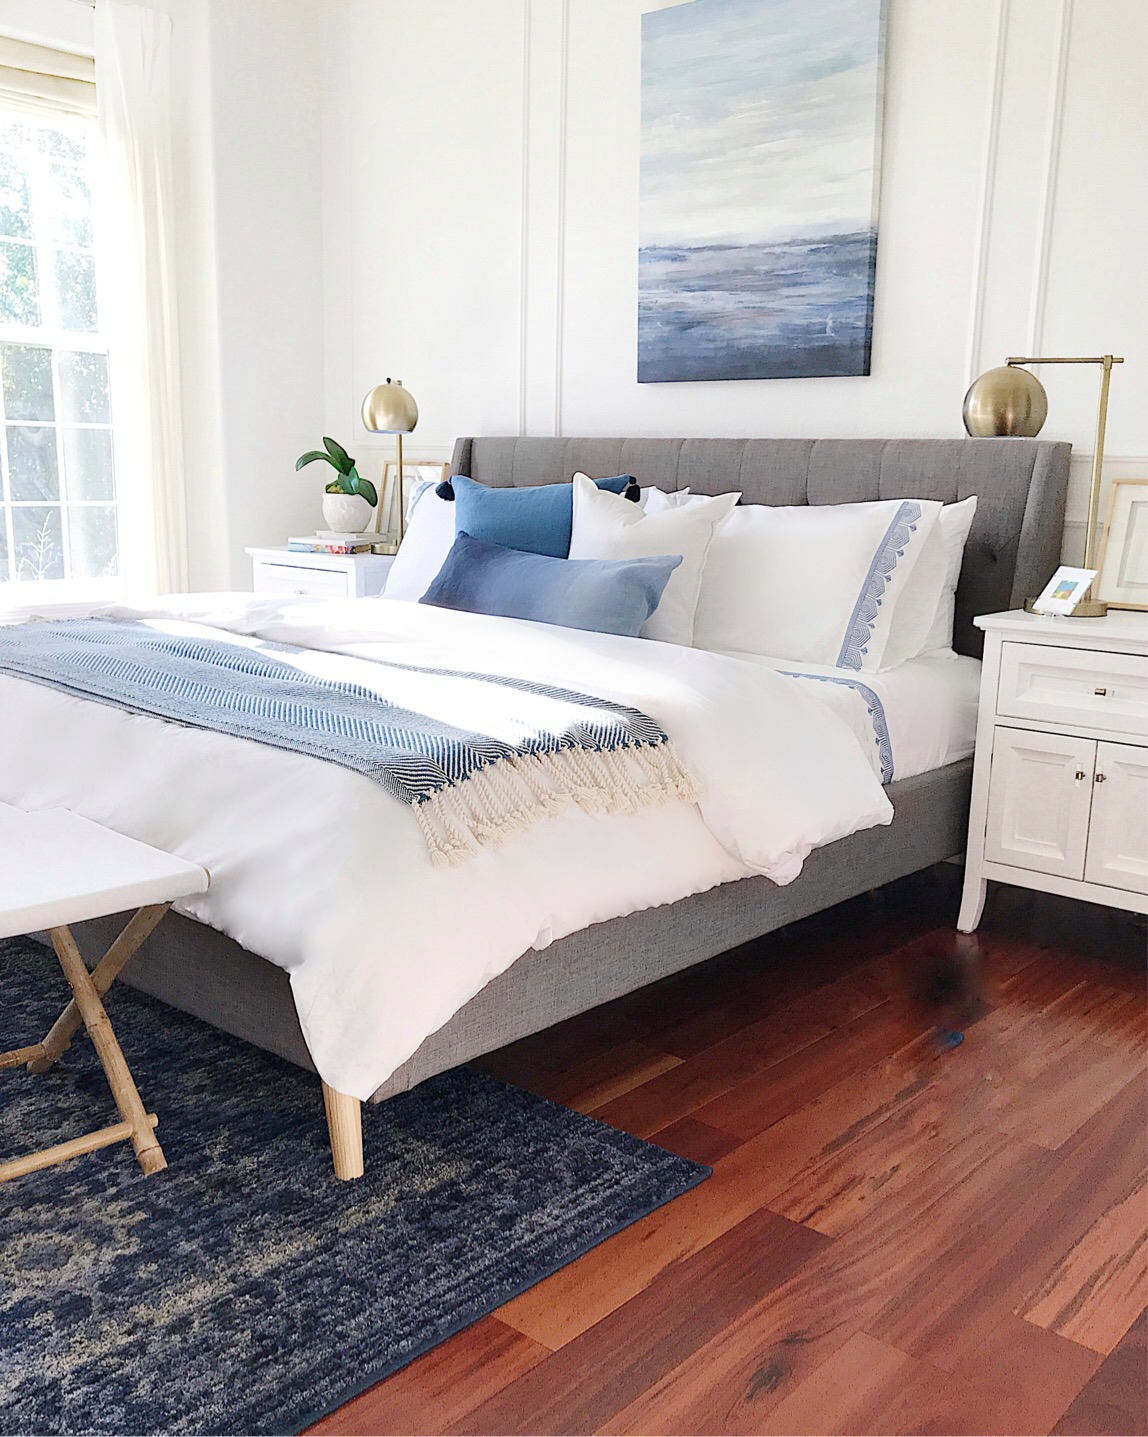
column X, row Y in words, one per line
column 433, row 471
column 1122, row 580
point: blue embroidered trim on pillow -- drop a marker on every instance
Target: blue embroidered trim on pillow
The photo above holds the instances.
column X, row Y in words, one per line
column 865, row 613
column 876, row 713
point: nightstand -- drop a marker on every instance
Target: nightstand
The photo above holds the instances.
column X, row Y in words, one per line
column 1060, row 778
column 324, row 576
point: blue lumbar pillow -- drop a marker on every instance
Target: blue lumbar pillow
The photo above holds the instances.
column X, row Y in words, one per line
column 537, row 520
column 609, row 596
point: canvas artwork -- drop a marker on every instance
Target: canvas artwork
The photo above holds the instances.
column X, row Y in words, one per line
column 761, row 124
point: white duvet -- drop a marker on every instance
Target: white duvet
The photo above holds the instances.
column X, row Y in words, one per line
column 322, row 872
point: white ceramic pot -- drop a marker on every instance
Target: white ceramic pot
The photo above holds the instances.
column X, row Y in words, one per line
column 346, row 513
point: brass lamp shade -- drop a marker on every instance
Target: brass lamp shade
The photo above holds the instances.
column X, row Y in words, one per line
column 1005, row 401
column 390, row 409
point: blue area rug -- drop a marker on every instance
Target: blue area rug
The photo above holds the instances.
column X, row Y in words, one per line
column 245, row 1289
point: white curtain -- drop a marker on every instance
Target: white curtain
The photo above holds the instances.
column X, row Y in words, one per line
column 133, row 90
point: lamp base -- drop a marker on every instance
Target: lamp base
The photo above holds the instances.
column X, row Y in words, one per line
column 1086, row 609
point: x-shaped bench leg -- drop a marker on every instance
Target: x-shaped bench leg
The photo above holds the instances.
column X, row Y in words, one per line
column 86, row 1008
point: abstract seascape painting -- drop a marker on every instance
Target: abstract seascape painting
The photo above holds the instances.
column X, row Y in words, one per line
column 761, row 124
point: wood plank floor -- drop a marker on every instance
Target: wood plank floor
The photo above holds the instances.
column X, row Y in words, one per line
column 898, row 1237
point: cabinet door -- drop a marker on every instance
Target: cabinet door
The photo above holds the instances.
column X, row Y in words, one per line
column 1040, row 789
column 1118, row 832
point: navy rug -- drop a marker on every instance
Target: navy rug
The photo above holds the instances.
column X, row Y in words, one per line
column 245, row 1289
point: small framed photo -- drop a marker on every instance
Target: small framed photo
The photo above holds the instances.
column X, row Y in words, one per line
column 1123, row 581
column 1064, row 590
column 415, row 472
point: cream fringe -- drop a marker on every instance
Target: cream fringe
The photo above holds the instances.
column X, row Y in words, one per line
column 512, row 794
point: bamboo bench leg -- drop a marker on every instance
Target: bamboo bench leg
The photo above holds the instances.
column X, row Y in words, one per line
column 144, row 1141
column 345, row 1125
column 104, row 974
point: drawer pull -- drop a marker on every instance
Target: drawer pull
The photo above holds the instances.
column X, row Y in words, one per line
column 1099, row 692
column 1099, row 778
column 1080, row 775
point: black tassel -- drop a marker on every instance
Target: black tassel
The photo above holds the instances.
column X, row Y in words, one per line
column 633, row 490
column 445, row 490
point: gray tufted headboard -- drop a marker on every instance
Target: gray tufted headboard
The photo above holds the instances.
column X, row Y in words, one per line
column 1020, row 486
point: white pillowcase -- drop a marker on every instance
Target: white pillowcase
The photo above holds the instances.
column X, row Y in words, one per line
column 607, row 526
column 817, row 583
column 427, row 542
column 955, row 523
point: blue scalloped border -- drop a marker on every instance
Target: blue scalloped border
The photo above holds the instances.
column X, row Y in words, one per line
column 859, row 630
column 876, row 713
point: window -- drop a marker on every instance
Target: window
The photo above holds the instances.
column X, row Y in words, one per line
column 58, row 519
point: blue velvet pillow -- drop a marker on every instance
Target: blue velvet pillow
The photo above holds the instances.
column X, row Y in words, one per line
column 536, row 520
column 609, row 596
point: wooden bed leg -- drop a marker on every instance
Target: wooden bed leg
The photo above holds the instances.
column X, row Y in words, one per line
column 345, row 1124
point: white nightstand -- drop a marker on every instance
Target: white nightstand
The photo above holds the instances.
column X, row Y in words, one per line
column 324, row 576
column 1060, row 779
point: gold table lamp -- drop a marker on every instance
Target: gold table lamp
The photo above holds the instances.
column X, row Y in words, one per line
column 1011, row 401
column 391, row 409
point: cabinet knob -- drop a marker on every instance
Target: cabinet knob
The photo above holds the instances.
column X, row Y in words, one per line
column 1080, row 775
column 1100, row 693
column 1099, row 778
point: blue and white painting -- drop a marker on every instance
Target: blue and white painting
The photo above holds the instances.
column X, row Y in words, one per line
column 761, row 124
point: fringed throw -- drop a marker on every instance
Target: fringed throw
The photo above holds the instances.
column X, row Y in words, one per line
column 511, row 752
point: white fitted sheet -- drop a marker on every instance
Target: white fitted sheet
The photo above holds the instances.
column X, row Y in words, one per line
column 910, row 719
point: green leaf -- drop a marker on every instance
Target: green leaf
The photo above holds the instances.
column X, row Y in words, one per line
column 336, row 486
column 339, row 456
column 310, row 457
column 368, row 491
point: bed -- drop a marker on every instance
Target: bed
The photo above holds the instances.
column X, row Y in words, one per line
column 1014, row 545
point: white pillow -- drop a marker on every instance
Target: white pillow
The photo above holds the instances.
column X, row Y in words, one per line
column 955, row 523
column 817, row 583
column 606, row 526
column 427, row 542
column 657, row 501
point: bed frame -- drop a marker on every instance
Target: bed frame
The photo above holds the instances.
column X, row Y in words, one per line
column 1013, row 549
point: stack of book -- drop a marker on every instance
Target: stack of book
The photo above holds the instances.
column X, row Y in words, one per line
column 329, row 541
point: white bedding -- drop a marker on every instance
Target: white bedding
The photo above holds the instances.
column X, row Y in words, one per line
column 908, row 720
column 322, row 872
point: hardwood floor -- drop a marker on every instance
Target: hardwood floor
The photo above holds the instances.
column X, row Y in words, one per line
column 899, row 1237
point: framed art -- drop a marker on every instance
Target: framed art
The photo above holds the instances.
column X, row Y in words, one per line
column 415, row 471
column 1064, row 590
column 1123, row 575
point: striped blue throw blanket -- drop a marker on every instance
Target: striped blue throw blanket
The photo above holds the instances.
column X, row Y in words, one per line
column 513, row 751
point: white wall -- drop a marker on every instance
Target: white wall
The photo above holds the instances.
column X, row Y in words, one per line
column 248, row 142
column 480, row 188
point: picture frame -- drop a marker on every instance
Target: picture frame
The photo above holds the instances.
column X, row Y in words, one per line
column 433, row 471
column 1122, row 580
column 1064, row 590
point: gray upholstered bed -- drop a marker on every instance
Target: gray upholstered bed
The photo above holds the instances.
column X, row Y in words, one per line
column 1013, row 548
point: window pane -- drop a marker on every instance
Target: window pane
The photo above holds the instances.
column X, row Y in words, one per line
column 14, row 217
column 39, row 543
column 19, row 291
column 84, row 387
column 27, row 381
column 92, row 534
column 88, row 463
column 76, row 286
column 67, row 143
column 71, row 211
column 4, row 574
column 32, row 469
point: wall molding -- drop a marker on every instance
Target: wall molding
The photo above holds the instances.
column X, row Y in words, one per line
column 973, row 361
column 563, row 149
column 524, row 234
column 1049, row 176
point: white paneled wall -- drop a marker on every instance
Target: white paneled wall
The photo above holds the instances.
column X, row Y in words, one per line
column 480, row 208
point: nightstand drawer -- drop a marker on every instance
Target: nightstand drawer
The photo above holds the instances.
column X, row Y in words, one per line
column 285, row 579
column 1070, row 686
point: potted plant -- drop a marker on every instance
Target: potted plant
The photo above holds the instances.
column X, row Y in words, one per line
column 349, row 498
